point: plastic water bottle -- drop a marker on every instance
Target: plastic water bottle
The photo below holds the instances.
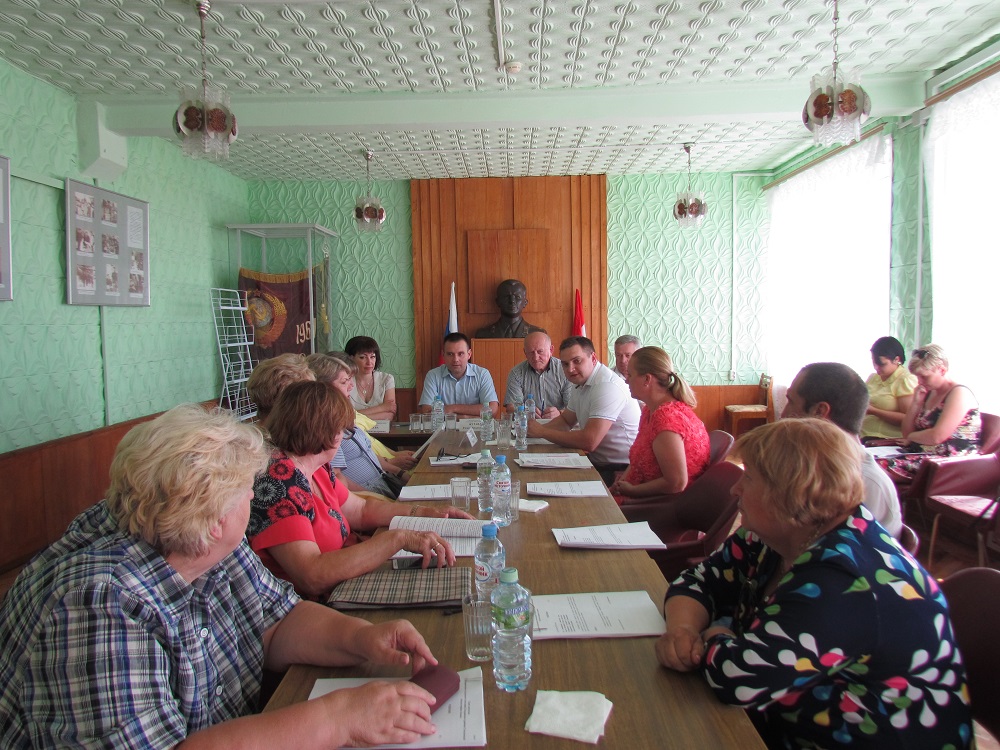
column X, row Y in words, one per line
column 486, row 423
column 512, row 613
column 501, row 492
column 484, row 474
column 437, row 413
column 490, row 559
column 521, row 429
column 529, row 406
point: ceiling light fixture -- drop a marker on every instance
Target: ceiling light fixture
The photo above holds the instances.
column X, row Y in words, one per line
column 837, row 105
column 690, row 207
column 368, row 212
column 204, row 122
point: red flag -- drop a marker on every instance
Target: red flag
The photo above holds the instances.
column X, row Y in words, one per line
column 579, row 327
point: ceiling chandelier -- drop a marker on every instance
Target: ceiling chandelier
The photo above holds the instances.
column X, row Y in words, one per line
column 837, row 105
column 204, row 122
column 690, row 207
column 368, row 212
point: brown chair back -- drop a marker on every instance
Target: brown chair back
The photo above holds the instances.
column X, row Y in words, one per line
column 720, row 443
column 991, row 433
column 973, row 598
column 694, row 522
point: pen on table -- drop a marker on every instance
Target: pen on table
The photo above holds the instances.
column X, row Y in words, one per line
column 541, row 406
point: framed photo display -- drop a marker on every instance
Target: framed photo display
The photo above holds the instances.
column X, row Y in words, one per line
column 107, row 247
column 6, row 279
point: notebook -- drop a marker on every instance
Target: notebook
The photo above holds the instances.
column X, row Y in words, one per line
column 390, row 589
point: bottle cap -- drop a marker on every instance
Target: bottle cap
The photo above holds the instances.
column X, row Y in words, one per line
column 501, row 459
column 489, row 531
column 530, row 396
column 508, row 575
column 486, row 453
column 521, row 407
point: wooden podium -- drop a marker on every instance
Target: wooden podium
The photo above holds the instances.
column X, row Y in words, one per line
column 498, row 356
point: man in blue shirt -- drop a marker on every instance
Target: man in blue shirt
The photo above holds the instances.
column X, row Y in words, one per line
column 464, row 387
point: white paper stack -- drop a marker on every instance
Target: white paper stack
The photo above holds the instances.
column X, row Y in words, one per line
column 611, row 536
column 594, row 488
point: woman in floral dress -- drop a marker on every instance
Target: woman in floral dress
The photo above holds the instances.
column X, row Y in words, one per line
column 943, row 418
column 811, row 616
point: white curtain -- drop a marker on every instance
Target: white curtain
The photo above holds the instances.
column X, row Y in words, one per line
column 827, row 296
column 962, row 158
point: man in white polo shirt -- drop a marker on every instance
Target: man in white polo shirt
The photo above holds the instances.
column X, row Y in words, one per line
column 600, row 404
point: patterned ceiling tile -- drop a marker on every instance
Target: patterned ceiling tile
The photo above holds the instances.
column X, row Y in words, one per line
column 382, row 60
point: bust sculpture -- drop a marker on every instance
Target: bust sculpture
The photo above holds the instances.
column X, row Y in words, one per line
column 512, row 298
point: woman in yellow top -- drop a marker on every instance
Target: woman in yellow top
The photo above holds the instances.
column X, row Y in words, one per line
column 890, row 390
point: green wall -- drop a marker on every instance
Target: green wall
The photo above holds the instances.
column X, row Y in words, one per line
column 371, row 274
column 694, row 292
column 52, row 369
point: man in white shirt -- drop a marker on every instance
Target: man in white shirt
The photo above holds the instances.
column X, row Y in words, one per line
column 625, row 347
column 463, row 386
column 541, row 375
column 600, row 404
column 835, row 392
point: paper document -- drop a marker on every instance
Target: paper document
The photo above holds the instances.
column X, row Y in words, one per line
column 381, row 426
column 462, row 534
column 611, row 536
column 879, row 451
column 593, row 488
column 613, row 614
column 420, row 451
column 426, row 492
column 460, row 721
column 441, row 526
column 553, row 461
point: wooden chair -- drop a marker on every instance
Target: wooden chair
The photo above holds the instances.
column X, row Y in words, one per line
column 760, row 412
column 970, row 511
column 973, row 598
column 909, row 540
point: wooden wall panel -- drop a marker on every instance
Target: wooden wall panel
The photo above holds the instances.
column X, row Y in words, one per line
column 496, row 255
column 498, row 356
column 571, row 209
column 22, row 504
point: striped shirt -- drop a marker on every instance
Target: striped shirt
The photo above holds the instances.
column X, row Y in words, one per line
column 106, row 645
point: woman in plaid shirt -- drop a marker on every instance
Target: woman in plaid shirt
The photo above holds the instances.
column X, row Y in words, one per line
column 149, row 623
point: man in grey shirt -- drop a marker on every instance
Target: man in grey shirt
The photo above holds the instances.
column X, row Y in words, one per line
column 832, row 391
column 541, row 375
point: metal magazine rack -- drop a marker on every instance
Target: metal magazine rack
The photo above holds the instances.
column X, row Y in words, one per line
column 235, row 338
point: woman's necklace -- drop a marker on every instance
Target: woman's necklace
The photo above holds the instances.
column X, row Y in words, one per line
column 367, row 389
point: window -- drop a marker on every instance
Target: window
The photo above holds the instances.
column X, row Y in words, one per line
column 827, row 294
column 962, row 157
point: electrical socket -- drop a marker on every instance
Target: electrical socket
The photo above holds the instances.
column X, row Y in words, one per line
column 732, row 375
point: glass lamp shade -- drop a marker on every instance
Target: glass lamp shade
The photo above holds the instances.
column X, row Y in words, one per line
column 369, row 215
column 205, row 124
column 690, row 209
column 836, row 109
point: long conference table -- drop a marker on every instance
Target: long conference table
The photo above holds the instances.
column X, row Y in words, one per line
column 652, row 705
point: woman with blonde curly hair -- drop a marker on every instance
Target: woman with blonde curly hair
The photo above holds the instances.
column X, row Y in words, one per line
column 150, row 622
column 811, row 616
column 672, row 446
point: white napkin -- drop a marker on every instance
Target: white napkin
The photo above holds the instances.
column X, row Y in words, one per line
column 577, row 715
column 531, row 506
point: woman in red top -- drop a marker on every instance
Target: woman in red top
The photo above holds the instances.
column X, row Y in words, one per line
column 301, row 515
column 672, row 446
